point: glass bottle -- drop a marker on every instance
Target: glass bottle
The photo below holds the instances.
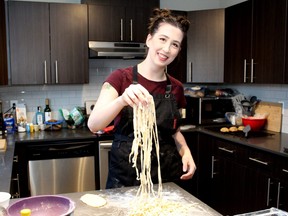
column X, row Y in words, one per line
column 47, row 111
column 39, row 116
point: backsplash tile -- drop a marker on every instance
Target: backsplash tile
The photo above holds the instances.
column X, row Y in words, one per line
column 69, row 96
column 63, row 96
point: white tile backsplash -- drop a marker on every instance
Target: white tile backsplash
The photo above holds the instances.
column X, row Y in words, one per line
column 70, row 96
column 63, row 96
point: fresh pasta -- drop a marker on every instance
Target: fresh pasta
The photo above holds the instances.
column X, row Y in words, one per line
column 145, row 134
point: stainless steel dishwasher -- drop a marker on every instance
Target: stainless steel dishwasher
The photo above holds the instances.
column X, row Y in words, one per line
column 64, row 167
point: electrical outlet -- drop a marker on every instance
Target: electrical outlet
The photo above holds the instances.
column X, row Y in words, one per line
column 13, row 102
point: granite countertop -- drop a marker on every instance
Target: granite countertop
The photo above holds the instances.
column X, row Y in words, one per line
column 119, row 201
column 276, row 143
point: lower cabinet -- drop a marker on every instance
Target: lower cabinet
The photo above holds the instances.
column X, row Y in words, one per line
column 234, row 179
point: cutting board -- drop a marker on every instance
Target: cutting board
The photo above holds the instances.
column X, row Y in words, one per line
column 274, row 120
column 3, row 145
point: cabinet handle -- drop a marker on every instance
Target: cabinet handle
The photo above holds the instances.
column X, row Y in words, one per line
column 17, row 194
column 258, row 161
column 268, row 192
column 56, row 71
column 284, row 170
column 212, row 167
column 245, row 70
column 278, row 194
column 121, row 29
column 131, row 30
column 45, row 72
column 15, row 158
column 226, row 150
column 252, row 71
column 189, row 72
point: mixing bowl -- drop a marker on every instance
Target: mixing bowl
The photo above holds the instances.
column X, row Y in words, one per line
column 46, row 205
column 255, row 123
column 4, row 199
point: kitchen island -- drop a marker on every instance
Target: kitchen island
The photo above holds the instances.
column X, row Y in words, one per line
column 119, row 202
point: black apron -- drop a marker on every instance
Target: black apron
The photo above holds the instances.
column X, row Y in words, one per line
column 121, row 172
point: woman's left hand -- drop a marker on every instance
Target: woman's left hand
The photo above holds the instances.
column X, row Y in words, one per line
column 189, row 166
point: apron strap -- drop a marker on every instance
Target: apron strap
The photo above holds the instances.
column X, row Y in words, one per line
column 135, row 80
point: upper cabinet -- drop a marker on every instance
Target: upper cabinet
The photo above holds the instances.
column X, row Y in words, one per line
column 119, row 20
column 3, row 47
column 48, row 43
column 255, row 34
column 205, row 53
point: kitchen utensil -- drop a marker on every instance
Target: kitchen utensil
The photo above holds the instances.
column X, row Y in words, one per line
column 4, row 199
column 249, row 106
column 43, row 205
column 233, row 118
column 254, row 122
column 246, row 130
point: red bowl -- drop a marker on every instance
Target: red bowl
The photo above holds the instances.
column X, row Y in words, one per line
column 256, row 124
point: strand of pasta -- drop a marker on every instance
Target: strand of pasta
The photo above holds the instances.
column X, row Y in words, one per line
column 145, row 134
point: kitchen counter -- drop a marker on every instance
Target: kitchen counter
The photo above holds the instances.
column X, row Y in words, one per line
column 274, row 144
column 119, row 200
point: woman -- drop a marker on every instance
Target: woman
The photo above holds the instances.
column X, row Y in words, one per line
column 133, row 85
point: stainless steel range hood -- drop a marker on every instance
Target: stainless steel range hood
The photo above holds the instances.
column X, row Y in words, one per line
column 98, row 49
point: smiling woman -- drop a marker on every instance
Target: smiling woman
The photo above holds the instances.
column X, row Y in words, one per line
column 137, row 86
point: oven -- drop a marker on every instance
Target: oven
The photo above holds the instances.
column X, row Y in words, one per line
column 104, row 157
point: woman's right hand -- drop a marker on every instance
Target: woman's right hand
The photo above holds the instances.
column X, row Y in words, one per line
column 136, row 94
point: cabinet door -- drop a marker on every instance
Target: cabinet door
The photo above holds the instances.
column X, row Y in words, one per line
column 254, row 42
column 3, row 47
column 238, row 29
column 207, row 189
column 69, row 43
column 282, row 198
column 106, row 23
column 230, row 178
column 261, row 188
column 29, row 42
column 268, row 50
column 205, row 53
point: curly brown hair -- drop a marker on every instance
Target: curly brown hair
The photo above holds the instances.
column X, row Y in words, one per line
column 165, row 15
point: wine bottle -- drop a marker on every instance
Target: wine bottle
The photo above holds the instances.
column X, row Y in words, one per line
column 47, row 111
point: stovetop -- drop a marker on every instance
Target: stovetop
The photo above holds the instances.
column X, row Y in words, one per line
column 238, row 133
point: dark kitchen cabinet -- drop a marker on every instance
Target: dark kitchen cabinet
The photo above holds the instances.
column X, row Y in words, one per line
column 119, row 21
column 205, row 51
column 48, row 43
column 3, row 47
column 221, row 176
column 254, row 42
column 262, row 188
column 235, row 179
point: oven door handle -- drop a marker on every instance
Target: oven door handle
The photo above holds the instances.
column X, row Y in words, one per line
column 105, row 145
column 68, row 148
